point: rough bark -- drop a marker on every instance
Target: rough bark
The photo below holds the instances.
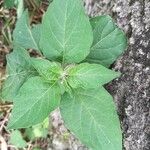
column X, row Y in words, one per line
column 131, row 91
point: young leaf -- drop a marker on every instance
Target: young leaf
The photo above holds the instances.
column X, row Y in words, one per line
column 90, row 75
column 38, row 131
column 17, row 140
column 23, row 35
column 66, row 32
column 35, row 100
column 18, row 71
column 91, row 116
column 49, row 70
column 109, row 41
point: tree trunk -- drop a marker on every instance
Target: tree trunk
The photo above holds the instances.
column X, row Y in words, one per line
column 132, row 91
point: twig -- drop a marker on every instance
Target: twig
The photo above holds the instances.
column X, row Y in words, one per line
column 12, row 146
column 3, row 143
column 29, row 145
column 5, row 107
column 5, row 120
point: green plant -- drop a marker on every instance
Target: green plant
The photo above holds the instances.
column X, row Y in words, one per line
column 10, row 3
column 19, row 139
column 70, row 74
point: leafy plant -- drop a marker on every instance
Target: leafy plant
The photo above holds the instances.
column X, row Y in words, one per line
column 37, row 131
column 17, row 140
column 70, row 74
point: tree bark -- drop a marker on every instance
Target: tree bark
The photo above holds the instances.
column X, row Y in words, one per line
column 132, row 90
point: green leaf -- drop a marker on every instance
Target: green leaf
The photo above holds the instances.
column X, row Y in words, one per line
column 66, row 32
column 109, row 41
column 36, row 32
column 9, row 3
column 17, row 140
column 35, row 100
column 23, row 35
column 18, row 70
column 38, row 131
column 49, row 70
column 90, row 75
column 91, row 116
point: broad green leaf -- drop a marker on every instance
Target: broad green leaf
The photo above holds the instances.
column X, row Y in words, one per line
column 17, row 140
column 91, row 116
column 49, row 70
column 109, row 41
column 35, row 100
column 87, row 75
column 66, row 32
column 18, row 70
column 23, row 35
